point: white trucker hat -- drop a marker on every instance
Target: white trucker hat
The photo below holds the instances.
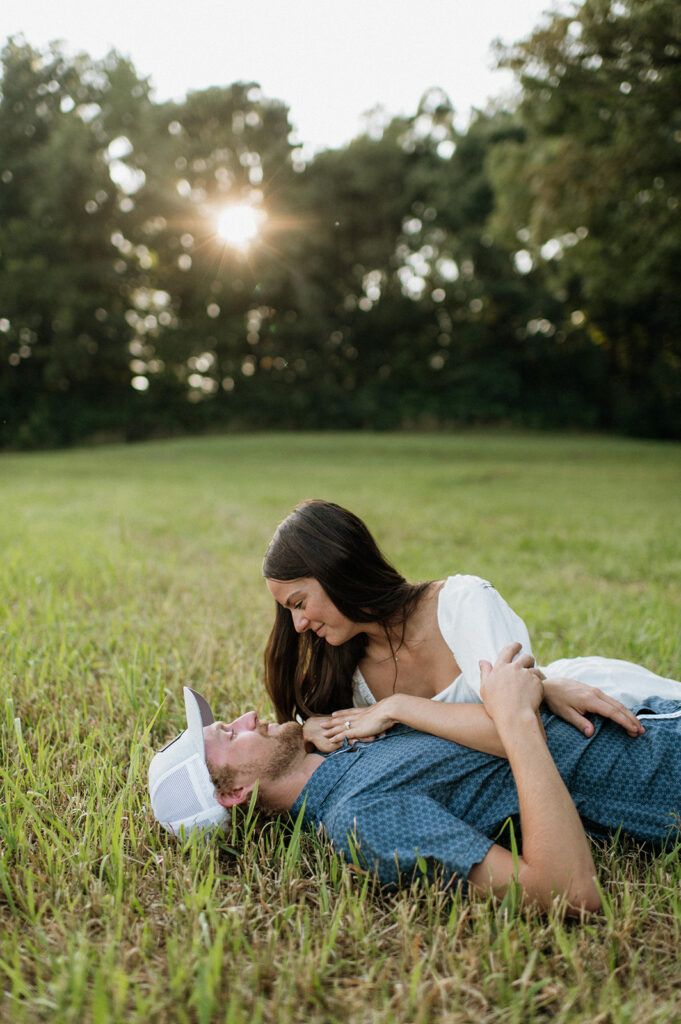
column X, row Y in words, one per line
column 181, row 790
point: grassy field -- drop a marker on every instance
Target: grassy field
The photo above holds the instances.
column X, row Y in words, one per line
column 129, row 571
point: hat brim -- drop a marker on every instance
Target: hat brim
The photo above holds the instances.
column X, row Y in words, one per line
column 199, row 714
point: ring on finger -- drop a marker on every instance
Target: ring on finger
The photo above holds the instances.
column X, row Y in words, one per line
column 347, row 725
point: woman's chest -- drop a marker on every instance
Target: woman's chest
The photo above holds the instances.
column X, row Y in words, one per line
column 422, row 671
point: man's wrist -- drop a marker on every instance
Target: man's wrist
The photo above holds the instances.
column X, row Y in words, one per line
column 514, row 722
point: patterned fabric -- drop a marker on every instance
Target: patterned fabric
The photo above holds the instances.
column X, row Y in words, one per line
column 412, row 803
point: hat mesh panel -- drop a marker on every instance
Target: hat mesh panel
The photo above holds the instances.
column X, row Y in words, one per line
column 176, row 797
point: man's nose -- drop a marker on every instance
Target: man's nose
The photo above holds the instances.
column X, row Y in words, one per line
column 245, row 722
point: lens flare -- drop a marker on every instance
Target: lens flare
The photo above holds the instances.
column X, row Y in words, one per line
column 239, row 225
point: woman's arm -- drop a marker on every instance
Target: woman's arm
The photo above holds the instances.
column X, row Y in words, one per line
column 468, row 724
column 476, row 623
column 571, row 700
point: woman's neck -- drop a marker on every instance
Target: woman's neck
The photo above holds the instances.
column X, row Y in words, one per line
column 386, row 641
column 384, row 644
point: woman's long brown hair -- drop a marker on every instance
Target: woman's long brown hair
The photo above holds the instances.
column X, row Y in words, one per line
column 304, row 675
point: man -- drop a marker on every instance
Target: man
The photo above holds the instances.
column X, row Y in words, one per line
column 410, row 799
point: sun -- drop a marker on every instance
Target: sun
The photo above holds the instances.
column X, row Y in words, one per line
column 238, row 225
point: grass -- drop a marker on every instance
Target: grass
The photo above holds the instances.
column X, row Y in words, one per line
column 128, row 571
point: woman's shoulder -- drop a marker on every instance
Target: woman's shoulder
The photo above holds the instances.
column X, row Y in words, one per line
column 462, row 582
column 464, row 594
column 456, row 585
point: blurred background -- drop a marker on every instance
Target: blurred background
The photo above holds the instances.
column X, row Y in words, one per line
column 339, row 218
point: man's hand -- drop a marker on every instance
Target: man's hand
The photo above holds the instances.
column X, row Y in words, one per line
column 510, row 687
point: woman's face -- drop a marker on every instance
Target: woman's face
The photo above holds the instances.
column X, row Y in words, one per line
column 312, row 608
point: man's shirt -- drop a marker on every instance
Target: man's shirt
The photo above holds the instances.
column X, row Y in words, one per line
column 412, row 802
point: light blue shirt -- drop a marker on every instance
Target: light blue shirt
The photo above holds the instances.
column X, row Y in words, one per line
column 412, row 803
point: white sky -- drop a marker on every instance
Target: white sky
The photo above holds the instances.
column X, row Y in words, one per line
column 330, row 61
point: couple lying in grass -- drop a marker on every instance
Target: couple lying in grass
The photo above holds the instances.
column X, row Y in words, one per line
column 410, row 748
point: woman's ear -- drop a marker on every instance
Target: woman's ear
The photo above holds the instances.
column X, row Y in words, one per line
column 235, row 796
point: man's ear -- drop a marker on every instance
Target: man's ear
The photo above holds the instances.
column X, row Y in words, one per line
column 235, row 796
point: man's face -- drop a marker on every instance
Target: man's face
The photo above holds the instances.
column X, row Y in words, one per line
column 253, row 750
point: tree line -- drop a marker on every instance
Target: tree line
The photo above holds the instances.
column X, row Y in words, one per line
column 179, row 266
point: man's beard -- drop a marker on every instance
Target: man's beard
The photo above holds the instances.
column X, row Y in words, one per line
column 290, row 745
column 289, row 740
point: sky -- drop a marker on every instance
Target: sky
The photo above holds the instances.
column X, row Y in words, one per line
column 330, row 61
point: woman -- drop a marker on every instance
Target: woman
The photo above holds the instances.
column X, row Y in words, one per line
column 350, row 630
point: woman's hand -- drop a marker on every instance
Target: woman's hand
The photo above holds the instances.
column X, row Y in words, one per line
column 570, row 700
column 314, row 734
column 361, row 723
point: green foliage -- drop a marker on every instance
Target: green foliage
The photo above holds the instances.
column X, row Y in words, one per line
column 522, row 271
column 593, row 190
column 63, row 300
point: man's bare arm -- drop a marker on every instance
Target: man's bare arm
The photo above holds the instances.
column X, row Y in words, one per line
column 556, row 856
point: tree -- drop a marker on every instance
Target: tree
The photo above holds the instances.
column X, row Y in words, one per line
column 64, row 357
column 524, row 270
column 426, row 318
column 203, row 311
column 592, row 191
column 121, row 307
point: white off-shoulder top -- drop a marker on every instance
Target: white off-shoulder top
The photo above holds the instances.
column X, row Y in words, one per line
column 476, row 623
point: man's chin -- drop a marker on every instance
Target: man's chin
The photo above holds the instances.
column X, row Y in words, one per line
column 290, row 748
column 291, row 732
column 286, row 751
